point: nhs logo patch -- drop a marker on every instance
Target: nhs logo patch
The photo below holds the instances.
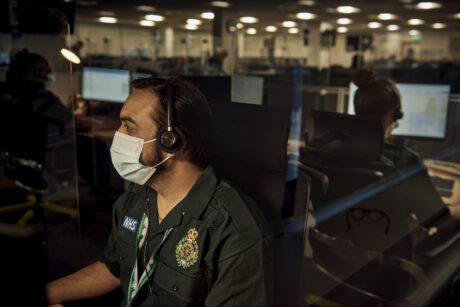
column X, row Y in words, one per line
column 129, row 223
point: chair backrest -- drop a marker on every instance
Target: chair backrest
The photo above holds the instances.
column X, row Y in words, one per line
column 377, row 201
column 250, row 152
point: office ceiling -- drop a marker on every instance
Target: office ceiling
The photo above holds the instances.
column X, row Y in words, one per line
column 273, row 12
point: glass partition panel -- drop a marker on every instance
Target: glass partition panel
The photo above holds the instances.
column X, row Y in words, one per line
column 39, row 210
column 356, row 171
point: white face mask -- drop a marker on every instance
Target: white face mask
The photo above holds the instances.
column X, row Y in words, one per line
column 126, row 151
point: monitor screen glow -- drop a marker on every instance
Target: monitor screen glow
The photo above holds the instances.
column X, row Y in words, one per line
column 102, row 84
column 424, row 106
column 247, row 89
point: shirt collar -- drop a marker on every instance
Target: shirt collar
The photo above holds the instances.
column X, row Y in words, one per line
column 193, row 204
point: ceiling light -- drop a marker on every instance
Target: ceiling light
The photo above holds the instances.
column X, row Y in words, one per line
column 305, row 15
column 386, row 16
column 414, row 32
column 251, row 31
column 344, row 21
column 271, row 28
column 154, row 17
column 223, row 4
column 392, row 27
column 70, row 56
column 346, row 9
column 293, row 30
column 428, row 5
column 439, row 25
column 207, row 15
column 289, row 24
column 374, row 25
column 248, row 19
column 342, row 29
column 415, row 22
column 191, row 27
column 108, row 19
column 147, row 23
column 307, row 2
column 145, row 8
column 193, row 21
column 87, row 3
column 107, row 13
column 239, row 25
column 457, row 15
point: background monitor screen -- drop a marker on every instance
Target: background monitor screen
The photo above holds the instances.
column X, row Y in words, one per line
column 102, row 84
column 425, row 109
column 247, row 89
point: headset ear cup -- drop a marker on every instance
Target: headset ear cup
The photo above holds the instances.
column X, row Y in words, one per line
column 170, row 141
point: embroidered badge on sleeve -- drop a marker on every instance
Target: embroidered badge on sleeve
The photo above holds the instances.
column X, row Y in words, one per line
column 187, row 249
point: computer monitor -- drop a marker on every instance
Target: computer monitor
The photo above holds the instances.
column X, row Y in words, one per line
column 247, row 89
column 425, row 108
column 102, row 84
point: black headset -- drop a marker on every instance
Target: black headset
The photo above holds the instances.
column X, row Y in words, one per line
column 170, row 137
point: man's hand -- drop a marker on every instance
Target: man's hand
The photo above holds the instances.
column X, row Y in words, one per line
column 91, row 281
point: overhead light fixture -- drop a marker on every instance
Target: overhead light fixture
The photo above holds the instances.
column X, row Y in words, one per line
column 307, row 2
column 428, row 5
column 239, row 25
column 347, row 9
column 415, row 22
column 191, row 27
column 207, row 15
column 107, row 19
column 457, row 15
column 147, row 23
column 289, row 24
column 386, row 16
column 438, row 25
column 145, row 8
column 70, row 56
column 271, row 28
column 392, row 27
column 342, row 29
column 156, row 18
column 193, row 21
column 414, row 32
column 374, row 25
column 223, row 4
column 344, row 21
column 107, row 13
column 86, row 3
column 251, row 31
column 293, row 30
column 248, row 19
column 305, row 15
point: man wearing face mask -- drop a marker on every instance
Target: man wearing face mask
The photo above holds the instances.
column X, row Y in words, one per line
column 180, row 236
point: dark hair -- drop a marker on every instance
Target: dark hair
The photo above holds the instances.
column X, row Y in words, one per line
column 19, row 67
column 192, row 115
column 376, row 97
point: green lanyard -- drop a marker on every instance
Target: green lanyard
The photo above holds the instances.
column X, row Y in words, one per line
column 134, row 283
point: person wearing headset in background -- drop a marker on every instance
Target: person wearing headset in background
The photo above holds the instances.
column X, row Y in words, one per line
column 180, row 236
column 380, row 98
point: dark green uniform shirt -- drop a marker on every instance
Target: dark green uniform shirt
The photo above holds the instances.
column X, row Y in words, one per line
column 234, row 261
